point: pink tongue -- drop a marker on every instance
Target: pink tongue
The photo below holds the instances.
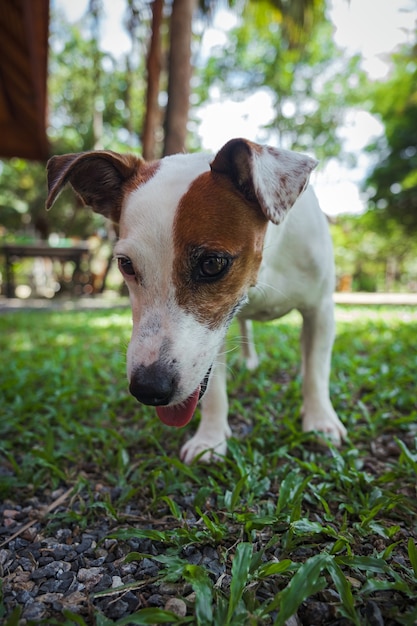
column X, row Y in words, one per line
column 180, row 414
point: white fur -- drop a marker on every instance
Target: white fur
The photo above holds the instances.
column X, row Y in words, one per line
column 146, row 237
column 168, row 342
column 296, row 272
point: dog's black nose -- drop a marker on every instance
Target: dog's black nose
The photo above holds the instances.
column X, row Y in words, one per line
column 153, row 385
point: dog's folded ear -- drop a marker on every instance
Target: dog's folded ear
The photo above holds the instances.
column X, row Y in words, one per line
column 273, row 177
column 97, row 177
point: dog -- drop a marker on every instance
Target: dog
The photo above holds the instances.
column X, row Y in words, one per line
column 204, row 239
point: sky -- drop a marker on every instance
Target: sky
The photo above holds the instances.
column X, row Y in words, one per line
column 371, row 27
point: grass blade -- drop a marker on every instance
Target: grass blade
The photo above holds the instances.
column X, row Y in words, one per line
column 305, row 582
column 149, row 616
column 201, row 584
column 140, row 533
column 240, row 572
column 344, row 590
column 412, row 555
column 271, row 569
column 406, row 455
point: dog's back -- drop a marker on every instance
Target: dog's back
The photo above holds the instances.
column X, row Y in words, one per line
column 297, row 268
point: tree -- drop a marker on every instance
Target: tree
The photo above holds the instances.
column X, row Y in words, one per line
column 179, row 76
column 310, row 83
column 153, row 71
column 296, row 21
column 392, row 185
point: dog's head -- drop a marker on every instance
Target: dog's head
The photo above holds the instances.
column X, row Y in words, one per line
column 191, row 237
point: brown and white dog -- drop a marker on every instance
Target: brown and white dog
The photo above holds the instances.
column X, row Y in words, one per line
column 203, row 239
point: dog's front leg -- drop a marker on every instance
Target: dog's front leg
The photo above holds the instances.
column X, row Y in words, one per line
column 213, row 430
column 248, row 344
column 316, row 343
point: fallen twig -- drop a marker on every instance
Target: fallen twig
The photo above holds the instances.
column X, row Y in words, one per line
column 48, row 509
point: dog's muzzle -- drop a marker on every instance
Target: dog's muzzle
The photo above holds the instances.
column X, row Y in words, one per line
column 153, row 385
column 156, row 386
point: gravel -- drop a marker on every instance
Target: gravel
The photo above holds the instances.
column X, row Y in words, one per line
column 45, row 572
column 49, row 563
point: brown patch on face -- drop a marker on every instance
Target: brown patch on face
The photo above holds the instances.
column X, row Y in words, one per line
column 214, row 219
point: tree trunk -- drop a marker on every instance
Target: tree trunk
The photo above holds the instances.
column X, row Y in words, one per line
column 390, row 273
column 95, row 7
column 179, row 72
column 153, row 66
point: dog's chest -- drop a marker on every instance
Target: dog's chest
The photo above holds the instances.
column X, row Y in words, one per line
column 267, row 302
column 272, row 296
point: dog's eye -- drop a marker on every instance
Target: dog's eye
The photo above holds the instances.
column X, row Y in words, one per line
column 212, row 267
column 126, row 266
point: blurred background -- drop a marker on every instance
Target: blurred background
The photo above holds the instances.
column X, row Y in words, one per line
column 334, row 79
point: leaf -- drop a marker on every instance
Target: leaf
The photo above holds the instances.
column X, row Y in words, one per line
column 291, row 491
column 406, row 455
column 305, row 582
column 237, row 454
column 149, row 616
column 182, row 467
column 202, row 585
column 270, row 569
column 412, row 555
column 375, row 584
column 101, row 620
column 173, row 507
column 240, row 571
column 14, row 618
column 369, row 563
column 215, row 528
column 305, row 527
column 140, row 533
column 344, row 591
column 231, row 497
column 255, row 521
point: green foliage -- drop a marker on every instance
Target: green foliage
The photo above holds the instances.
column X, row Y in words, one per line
column 375, row 252
column 392, row 185
column 312, row 84
column 291, row 520
column 82, row 79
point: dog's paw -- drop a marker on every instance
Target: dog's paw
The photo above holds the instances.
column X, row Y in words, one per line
column 327, row 423
column 252, row 362
column 206, row 449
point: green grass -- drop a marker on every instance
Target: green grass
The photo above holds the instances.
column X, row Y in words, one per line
column 291, row 520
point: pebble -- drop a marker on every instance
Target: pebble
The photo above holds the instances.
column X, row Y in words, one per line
column 90, row 576
column 5, row 555
column 50, row 570
column 177, row 606
column 116, row 582
column 156, row 599
column 373, row 614
column 315, row 612
column 104, row 583
column 148, row 568
column 26, row 564
column 11, row 513
column 66, row 581
column 118, row 609
column 168, row 589
column 34, row 611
